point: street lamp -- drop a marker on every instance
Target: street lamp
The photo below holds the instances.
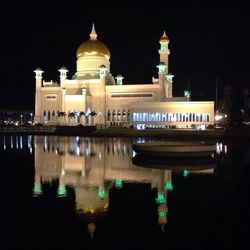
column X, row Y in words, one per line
column 21, row 119
column 31, row 121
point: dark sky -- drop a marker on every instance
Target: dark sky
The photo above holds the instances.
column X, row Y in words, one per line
column 207, row 40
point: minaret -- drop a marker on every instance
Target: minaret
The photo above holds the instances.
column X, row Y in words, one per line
column 162, row 71
column 38, row 107
column 119, row 79
column 164, row 81
column 63, row 74
column 164, row 51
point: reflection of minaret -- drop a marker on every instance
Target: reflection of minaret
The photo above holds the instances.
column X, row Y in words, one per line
column 37, row 189
column 91, row 229
column 163, row 189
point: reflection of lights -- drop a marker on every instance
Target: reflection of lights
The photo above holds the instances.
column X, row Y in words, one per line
column 218, row 117
column 11, row 141
column 118, row 183
column 160, row 198
column 31, row 150
column 37, row 190
column 46, row 142
column 87, row 151
column 61, row 191
column 225, row 149
column 163, row 213
column 134, row 153
column 219, row 148
column 140, row 140
column 4, row 143
column 99, row 155
column 17, row 142
column 78, row 150
column 169, row 186
column 101, row 193
column 185, row 173
column 77, row 138
column 29, row 141
column 62, row 172
column 21, row 142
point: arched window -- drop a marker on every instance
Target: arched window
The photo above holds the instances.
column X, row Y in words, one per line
column 118, row 115
column 49, row 115
column 190, row 117
column 124, row 115
column 44, row 116
column 113, row 115
column 108, row 116
column 53, row 115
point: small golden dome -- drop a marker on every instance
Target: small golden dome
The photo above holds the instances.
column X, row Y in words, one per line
column 164, row 38
column 93, row 48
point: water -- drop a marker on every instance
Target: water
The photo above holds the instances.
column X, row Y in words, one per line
column 86, row 193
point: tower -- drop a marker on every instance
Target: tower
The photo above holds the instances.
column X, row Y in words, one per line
column 63, row 74
column 164, row 51
column 38, row 109
column 165, row 78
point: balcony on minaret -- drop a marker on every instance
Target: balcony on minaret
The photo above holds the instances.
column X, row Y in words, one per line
column 162, row 67
column 102, row 70
column 169, row 77
column 63, row 73
column 39, row 73
column 119, row 79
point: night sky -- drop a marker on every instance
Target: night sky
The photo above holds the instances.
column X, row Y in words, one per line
column 207, row 40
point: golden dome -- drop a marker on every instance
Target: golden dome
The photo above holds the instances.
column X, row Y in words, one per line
column 93, row 48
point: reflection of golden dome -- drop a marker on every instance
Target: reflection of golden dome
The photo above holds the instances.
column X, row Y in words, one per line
column 93, row 48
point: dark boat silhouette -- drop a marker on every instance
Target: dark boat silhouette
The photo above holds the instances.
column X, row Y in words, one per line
column 175, row 149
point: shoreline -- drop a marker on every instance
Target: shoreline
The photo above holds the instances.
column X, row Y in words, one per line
column 91, row 131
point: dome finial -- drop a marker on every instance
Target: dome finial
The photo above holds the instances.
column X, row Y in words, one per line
column 93, row 35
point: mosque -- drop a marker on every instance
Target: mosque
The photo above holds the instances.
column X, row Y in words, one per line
column 93, row 96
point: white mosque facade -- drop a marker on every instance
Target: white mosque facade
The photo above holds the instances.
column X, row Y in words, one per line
column 94, row 97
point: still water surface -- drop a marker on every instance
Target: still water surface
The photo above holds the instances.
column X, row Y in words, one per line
column 95, row 193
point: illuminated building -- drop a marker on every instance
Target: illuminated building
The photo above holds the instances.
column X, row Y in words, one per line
column 94, row 97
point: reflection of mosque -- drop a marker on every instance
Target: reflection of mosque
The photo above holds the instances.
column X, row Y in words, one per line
column 93, row 166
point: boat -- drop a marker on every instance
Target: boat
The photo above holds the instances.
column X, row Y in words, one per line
column 174, row 148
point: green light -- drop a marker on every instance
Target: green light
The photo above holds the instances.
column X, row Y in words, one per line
column 162, row 214
column 185, row 173
column 101, row 193
column 161, row 198
column 164, row 47
column 61, row 191
column 169, row 186
column 187, row 93
column 37, row 190
column 118, row 183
